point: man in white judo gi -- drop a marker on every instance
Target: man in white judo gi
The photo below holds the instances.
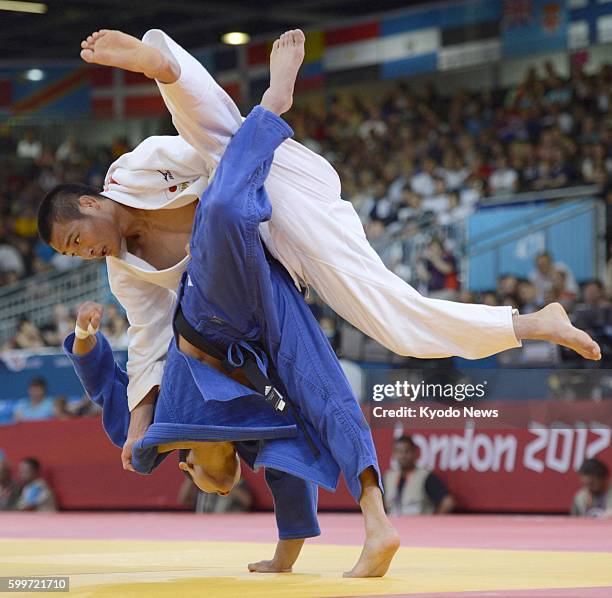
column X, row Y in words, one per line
column 141, row 223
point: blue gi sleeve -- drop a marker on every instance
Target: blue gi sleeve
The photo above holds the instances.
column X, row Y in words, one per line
column 225, row 247
column 105, row 383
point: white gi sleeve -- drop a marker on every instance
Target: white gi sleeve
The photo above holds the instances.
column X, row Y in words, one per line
column 202, row 112
column 149, row 309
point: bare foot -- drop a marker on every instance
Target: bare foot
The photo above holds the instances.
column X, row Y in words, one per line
column 118, row 49
column 378, row 551
column 285, row 61
column 552, row 324
column 268, row 567
column 287, row 552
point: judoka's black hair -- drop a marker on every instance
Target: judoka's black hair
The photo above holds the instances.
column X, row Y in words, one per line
column 61, row 204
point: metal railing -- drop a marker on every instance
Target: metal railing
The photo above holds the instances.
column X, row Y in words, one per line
column 36, row 297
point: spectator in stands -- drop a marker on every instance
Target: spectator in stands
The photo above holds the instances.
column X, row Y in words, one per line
column 527, row 297
column 594, row 315
column 62, row 325
column 29, row 148
column 439, row 271
column 507, row 285
column 238, row 500
column 544, row 274
column 9, row 491
column 39, row 405
column 594, row 499
column 66, row 409
column 424, row 182
column 60, row 408
column 410, row 490
column 504, row 179
column 28, row 336
column 594, row 296
column 559, row 292
column 455, row 212
column 11, row 260
column 115, row 326
column 68, row 151
column 35, row 494
column 490, row 298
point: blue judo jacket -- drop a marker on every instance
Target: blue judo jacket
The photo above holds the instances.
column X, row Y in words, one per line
column 239, row 299
column 185, row 417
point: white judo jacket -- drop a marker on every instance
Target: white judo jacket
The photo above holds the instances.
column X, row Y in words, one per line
column 166, row 172
column 316, row 235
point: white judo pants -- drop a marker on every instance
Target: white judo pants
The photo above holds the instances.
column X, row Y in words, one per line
column 319, row 238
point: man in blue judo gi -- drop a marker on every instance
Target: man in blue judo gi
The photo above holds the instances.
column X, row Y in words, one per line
column 210, row 435
column 240, row 306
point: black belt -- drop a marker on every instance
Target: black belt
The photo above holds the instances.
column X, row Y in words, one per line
column 262, row 384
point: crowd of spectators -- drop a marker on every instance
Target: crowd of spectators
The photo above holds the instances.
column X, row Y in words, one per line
column 589, row 306
column 413, row 154
column 415, row 164
column 28, row 169
column 32, row 337
column 413, row 490
column 40, row 405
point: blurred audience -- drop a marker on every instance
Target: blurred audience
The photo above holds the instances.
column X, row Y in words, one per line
column 35, row 494
column 39, row 405
column 415, row 164
column 30, row 336
column 550, row 278
column 9, row 490
column 411, row 490
column 594, row 499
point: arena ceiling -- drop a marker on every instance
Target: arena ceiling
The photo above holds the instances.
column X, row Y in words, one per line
column 194, row 23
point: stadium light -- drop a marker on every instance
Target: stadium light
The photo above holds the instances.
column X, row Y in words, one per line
column 15, row 6
column 35, row 75
column 235, row 38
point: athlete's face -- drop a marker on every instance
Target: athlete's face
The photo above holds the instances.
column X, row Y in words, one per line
column 94, row 236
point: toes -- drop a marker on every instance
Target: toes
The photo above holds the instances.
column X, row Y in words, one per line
column 276, row 45
column 297, row 36
column 87, row 55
